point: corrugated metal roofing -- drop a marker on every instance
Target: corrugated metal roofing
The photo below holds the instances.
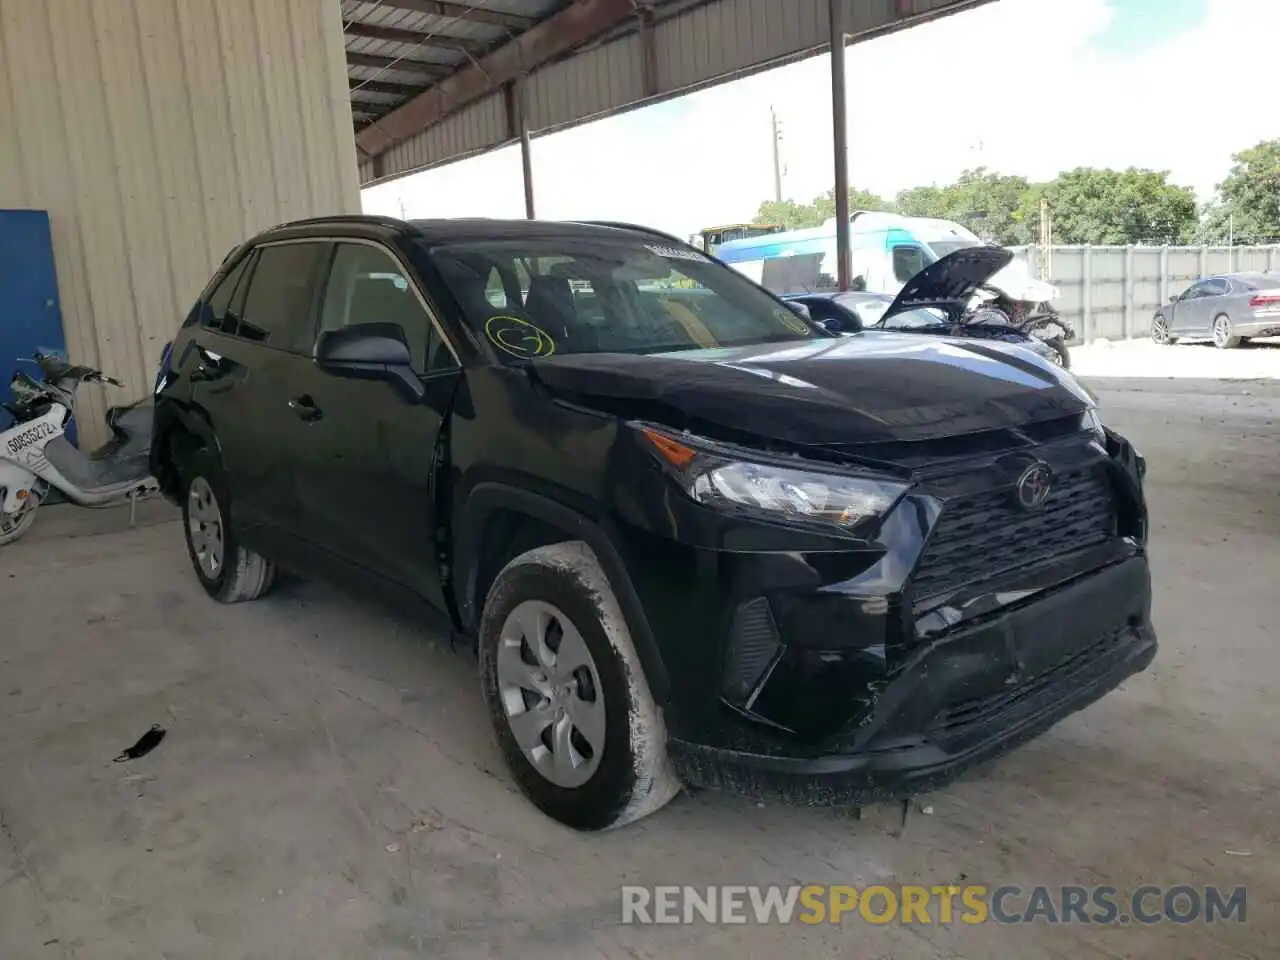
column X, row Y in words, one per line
column 439, row 34
column 695, row 43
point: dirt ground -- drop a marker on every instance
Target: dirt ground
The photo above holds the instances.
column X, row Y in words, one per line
column 328, row 786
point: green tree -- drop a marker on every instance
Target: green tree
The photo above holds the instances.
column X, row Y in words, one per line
column 1247, row 205
column 1120, row 207
column 797, row 216
column 988, row 203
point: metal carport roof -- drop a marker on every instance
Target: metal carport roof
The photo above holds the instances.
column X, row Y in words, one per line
column 437, row 81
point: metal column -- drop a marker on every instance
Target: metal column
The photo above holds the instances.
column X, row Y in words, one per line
column 526, row 159
column 839, row 128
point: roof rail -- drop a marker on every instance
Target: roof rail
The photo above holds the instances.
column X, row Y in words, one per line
column 640, row 228
column 342, row 218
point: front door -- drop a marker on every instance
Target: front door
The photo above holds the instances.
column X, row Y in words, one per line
column 362, row 457
column 1189, row 308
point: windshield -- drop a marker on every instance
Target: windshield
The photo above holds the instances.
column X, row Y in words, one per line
column 914, row 319
column 941, row 248
column 538, row 297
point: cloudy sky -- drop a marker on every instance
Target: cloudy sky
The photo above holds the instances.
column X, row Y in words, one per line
column 1021, row 86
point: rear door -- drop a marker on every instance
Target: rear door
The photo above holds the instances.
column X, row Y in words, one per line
column 256, row 350
column 363, row 464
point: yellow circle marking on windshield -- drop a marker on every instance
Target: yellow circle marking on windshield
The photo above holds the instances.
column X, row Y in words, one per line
column 520, row 338
column 791, row 321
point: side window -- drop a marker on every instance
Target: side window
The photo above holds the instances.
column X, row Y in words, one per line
column 1217, row 287
column 495, row 292
column 1194, row 292
column 367, row 285
column 908, row 260
column 218, row 313
column 798, row 274
column 277, row 308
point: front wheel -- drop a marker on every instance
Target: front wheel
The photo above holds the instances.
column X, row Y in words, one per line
column 14, row 525
column 1160, row 331
column 567, row 696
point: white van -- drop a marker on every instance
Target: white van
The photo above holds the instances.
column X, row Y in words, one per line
column 886, row 250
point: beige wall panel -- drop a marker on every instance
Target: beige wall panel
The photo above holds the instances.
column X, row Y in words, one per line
column 159, row 134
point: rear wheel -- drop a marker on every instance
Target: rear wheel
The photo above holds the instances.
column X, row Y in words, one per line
column 567, row 696
column 1224, row 337
column 229, row 572
column 1160, row 331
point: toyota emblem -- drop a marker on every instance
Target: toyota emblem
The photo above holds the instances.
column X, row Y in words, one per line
column 1034, row 486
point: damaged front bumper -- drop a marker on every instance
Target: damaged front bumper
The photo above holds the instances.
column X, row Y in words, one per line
column 971, row 695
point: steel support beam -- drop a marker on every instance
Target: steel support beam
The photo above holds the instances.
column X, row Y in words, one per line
column 401, row 66
column 381, row 86
column 462, row 11
column 514, row 98
column 840, row 131
column 374, row 31
column 569, row 29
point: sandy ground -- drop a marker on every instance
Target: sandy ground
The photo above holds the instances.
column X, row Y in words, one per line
column 329, row 788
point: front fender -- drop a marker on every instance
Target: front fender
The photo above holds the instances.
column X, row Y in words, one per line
column 14, row 480
column 487, row 497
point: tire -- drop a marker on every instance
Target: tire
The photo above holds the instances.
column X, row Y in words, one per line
column 1160, row 331
column 13, row 530
column 236, row 573
column 601, row 700
column 1223, row 336
column 1064, row 357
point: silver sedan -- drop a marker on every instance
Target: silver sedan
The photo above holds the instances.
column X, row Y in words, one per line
column 1226, row 309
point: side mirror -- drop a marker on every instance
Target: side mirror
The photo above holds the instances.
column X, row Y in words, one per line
column 799, row 309
column 1173, row 298
column 370, row 351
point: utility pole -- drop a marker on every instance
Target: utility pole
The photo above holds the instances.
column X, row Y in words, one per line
column 404, row 214
column 1046, row 240
column 777, row 155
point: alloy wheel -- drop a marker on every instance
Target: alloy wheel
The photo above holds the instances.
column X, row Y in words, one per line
column 1160, row 330
column 204, row 527
column 551, row 693
column 1221, row 331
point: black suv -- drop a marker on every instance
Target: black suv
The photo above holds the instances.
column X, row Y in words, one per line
column 696, row 538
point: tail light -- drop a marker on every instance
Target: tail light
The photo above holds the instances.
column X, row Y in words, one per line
column 1269, row 299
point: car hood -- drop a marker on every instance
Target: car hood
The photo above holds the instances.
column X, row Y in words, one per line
column 865, row 388
column 949, row 283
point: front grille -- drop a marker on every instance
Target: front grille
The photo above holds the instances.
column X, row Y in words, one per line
column 985, row 535
column 964, row 717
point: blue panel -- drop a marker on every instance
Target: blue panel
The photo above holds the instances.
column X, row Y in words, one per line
column 30, row 315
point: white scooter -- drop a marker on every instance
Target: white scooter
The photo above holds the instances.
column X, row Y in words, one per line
column 36, row 455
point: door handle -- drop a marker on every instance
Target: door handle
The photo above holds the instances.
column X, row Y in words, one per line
column 305, row 408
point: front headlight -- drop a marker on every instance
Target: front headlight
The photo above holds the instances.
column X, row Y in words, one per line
column 718, row 477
